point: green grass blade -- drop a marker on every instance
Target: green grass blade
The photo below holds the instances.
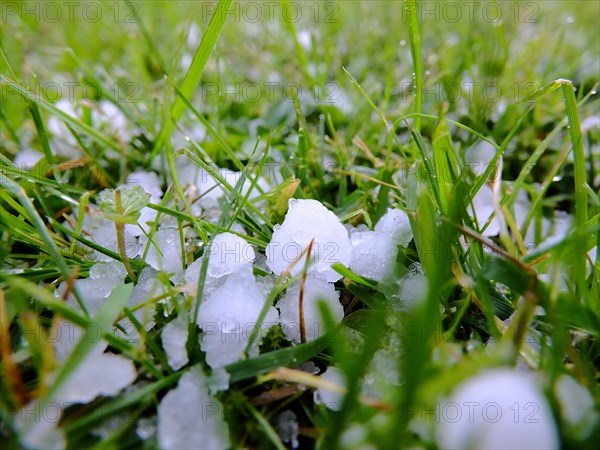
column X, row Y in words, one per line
column 415, row 51
column 194, row 73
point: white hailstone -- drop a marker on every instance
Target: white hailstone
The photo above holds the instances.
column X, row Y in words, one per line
column 483, row 206
column 382, row 372
column 149, row 181
column 413, row 289
column 374, row 252
column 164, row 252
column 560, row 229
column 174, row 337
column 500, row 408
column 304, row 38
column 479, row 157
column 218, row 380
column 316, row 289
column 304, row 221
column 287, row 428
column 190, row 418
column 396, row 224
column 38, row 430
column 146, row 428
column 192, row 276
column 331, row 399
column 577, row 407
column 103, row 233
column 104, row 277
column 227, row 317
column 227, row 254
column 209, row 189
column 109, row 116
column 98, row 374
column 66, row 144
column 27, row 159
column 147, row 287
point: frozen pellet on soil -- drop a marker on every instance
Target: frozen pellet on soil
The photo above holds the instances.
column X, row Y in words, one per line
column 304, row 221
column 190, row 418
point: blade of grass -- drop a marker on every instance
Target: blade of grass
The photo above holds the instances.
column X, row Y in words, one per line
column 415, row 51
column 194, row 73
column 40, row 226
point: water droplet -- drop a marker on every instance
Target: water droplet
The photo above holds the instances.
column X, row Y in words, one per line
column 570, row 19
column 402, row 43
column 594, row 92
column 557, row 178
column 428, row 72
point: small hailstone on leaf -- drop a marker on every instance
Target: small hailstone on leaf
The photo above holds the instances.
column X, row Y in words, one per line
column 316, row 289
column 133, row 199
column 328, row 397
column 307, row 220
column 190, row 418
column 500, row 408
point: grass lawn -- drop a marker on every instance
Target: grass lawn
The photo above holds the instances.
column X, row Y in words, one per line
column 299, row 224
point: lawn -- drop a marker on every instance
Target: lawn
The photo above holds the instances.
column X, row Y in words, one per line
column 299, row 224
